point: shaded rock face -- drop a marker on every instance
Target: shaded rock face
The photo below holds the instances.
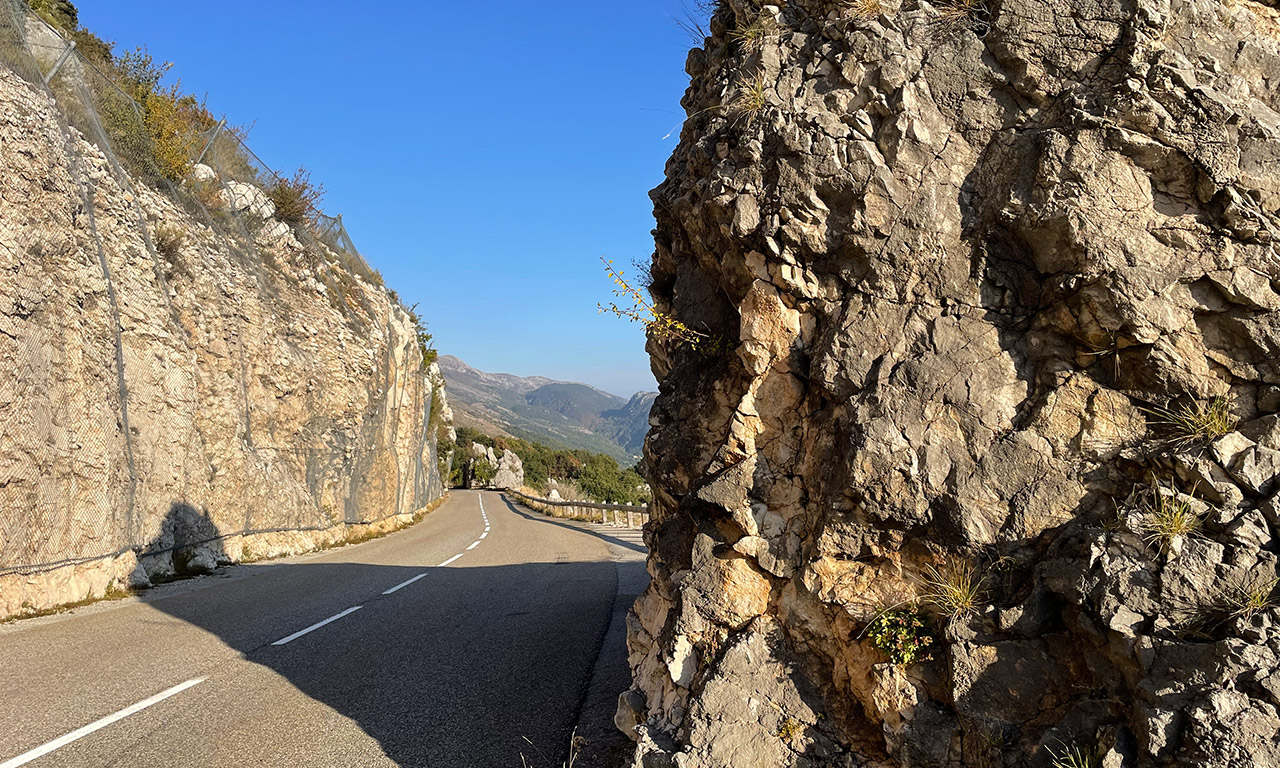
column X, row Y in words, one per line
column 153, row 365
column 960, row 258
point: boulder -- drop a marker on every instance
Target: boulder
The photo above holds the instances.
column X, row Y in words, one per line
column 247, row 199
column 510, row 472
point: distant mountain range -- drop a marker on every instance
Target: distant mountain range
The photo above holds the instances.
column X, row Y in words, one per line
column 562, row 414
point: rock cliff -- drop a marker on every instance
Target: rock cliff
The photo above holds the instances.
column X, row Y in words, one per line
column 177, row 395
column 984, row 469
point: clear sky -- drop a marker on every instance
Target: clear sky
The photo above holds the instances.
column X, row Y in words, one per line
column 484, row 155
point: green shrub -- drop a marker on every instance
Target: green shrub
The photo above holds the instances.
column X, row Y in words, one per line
column 60, row 13
column 174, row 123
column 297, row 199
column 429, row 353
column 902, row 635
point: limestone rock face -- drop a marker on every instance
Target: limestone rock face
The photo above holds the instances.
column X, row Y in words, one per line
column 176, row 397
column 998, row 295
column 510, row 472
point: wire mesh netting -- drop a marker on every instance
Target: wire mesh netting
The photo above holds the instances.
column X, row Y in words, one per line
column 80, row 473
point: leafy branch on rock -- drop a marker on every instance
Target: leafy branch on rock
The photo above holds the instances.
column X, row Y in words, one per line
column 900, row 634
column 636, row 308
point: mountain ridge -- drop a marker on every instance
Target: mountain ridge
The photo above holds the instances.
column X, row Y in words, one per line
column 566, row 414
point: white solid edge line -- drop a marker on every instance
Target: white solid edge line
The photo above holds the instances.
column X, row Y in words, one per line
column 313, row 627
column 474, row 544
column 450, row 560
column 404, row 584
column 80, row 733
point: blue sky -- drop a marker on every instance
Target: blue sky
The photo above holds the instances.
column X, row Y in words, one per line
column 483, row 160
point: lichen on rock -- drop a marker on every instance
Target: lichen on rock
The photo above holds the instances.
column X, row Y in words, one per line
column 970, row 259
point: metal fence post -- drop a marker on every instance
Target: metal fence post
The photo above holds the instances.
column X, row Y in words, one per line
column 71, row 46
column 209, row 143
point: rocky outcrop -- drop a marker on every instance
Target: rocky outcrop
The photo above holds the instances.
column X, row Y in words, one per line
column 178, row 395
column 510, row 472
column 980, row 464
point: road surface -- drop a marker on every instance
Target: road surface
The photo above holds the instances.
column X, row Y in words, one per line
column 475, row 638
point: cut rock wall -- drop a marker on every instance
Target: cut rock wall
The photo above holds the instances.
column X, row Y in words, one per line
column 176, row 396
column 965, row 259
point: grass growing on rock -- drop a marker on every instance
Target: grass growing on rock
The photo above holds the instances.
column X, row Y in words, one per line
column 1192, row 423
column 1212, row 620
column 750, row 38
column 954, row 590
column 750, row 101
column 1247, row 599
column 1167, row 517
column 864, row 10
column 1073, row 756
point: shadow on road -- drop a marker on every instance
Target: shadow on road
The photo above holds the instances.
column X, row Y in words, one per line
column 456, row 669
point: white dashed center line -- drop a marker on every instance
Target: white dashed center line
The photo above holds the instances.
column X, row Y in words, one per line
column 393, row 590
column 80, row 733
column 404, row 584
column 317, row 625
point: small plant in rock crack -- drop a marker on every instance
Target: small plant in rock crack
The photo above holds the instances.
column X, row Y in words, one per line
column 751, row 99
column 1250, row 597
column 750, row 38
column 790, row 728
column 863, row 10
column 962, row 14
column 169, row 240
column 1167, row 517
column 1192, row 423
column 954, row 590
column 902, row 635
column 1242, row 600
column 661, row 325
column 1073, row 756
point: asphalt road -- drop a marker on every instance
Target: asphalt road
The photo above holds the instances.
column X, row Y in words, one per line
column 482, row 660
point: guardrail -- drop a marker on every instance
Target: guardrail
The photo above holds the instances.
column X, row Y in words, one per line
column 636, row 516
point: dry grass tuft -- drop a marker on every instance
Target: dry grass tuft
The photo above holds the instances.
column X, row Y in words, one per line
column 1074, row 756
column 1211, row 620
column 751, row 99
column 1167, row 517
column 750, row 38
column 1194, row 423
column 955, row 590
column 864, row 10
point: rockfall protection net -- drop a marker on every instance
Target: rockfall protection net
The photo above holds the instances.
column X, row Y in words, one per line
column 40, row 527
